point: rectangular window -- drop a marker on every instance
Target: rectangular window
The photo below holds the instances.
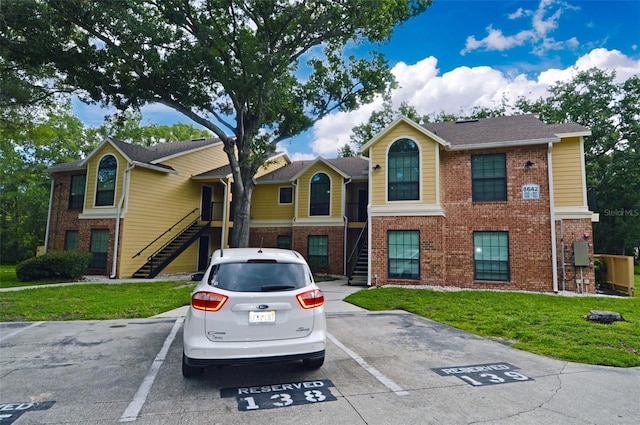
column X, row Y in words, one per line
column 491, row 256
column 99, row 249
column 286, row 195
column 404, row 254
column 76, row 194
column 489, row 177
column 284, row 241
column 71, row 240
column 318, row 253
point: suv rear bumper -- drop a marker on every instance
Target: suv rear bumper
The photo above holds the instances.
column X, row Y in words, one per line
column 253, row 360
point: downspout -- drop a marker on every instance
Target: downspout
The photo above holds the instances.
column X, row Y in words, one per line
column 125, row 189
column 223, row 231
column 346, row 228
column 552, row 211
column 46, row 235
column 295, row 211
column 369, row 226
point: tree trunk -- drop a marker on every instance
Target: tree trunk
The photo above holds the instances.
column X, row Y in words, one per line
column 241, row 219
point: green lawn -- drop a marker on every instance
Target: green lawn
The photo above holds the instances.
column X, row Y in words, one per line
column 95, row 302
column 549, row 325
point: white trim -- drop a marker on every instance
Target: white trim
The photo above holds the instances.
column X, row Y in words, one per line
column 89, row 214
column 115, row 184
column 584, row 174
column 330, row 194
column 318, row 221
column 504, row 144
column 576, row 212
column 386, row 170
column 285, row 186
column 405, row 209
column 574, row 134
column 411, row 123
column 554, row 249
column 437, row 171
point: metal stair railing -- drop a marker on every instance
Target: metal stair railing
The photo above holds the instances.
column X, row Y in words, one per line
column 167, row 231
column 357, row 248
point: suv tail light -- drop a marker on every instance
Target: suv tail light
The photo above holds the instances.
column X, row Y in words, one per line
column 311, row 299
column 208, row 301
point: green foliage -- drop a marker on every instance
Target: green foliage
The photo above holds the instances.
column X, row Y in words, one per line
column 548, row 325
column 265, row 70
column 59, row 265
column 612, row 153
column 94, row 302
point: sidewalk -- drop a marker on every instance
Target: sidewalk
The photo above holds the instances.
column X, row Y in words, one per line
column 334, row 293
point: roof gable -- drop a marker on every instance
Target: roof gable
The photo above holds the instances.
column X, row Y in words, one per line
column 489, row 132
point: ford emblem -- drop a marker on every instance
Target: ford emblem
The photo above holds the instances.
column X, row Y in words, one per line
column 263, row 306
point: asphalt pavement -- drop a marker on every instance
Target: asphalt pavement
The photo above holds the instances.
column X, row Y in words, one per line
column 386, row 368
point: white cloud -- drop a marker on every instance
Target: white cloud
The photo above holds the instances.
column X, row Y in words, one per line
column 460, row 90
column 544, row 20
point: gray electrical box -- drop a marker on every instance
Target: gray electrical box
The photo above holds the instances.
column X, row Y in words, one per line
column 581, row 254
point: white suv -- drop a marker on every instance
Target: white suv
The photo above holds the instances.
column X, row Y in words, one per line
column 254, row 305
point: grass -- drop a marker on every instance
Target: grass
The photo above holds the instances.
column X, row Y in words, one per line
column 548, row 325
column 95, row 302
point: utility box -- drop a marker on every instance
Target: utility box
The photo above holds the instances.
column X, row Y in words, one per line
column 581, row 254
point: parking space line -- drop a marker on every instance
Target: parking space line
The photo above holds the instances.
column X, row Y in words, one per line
column 16, row 332
column 372, row 370
column 131, row 412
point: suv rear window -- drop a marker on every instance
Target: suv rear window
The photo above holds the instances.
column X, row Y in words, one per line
column 258, row 276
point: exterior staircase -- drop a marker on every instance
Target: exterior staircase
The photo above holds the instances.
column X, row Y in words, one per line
column 169, row 251
column 360, row 270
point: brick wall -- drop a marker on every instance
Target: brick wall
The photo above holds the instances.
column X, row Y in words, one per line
column 446, row 243
column 569, row 231
column 335, row 235
column 63, row 219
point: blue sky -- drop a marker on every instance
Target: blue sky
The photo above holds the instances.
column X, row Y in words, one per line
column 465, row 53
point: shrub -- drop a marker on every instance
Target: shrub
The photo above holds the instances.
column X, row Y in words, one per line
column 54, row 265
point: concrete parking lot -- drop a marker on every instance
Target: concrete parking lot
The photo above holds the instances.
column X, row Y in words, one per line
column 381, row 368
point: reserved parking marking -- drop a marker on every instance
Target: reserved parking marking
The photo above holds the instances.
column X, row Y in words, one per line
column 16, row 332
column 484, row 374
column 11, row 412
column 372, row 370
column 131, row 412
column 280, row 395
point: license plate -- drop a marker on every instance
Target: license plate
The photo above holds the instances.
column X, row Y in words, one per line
column 262, row 317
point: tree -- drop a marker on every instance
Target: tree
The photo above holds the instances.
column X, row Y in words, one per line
column 612, row 153
column 31, row 139
column 36, row 137
column 229, row 65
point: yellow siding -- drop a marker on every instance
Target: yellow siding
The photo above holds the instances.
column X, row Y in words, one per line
column 92, row 171
column 157, row 201
column 265, row 203
column 428, row 172
column 304, row 186
column 568, row 182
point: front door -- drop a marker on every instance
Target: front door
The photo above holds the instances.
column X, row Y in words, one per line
column 203, row 253
column 363, row 201
column 206, row 205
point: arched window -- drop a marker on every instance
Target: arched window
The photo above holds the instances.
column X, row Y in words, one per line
column 404, row 171
column 320, row 194
column 106, row 187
